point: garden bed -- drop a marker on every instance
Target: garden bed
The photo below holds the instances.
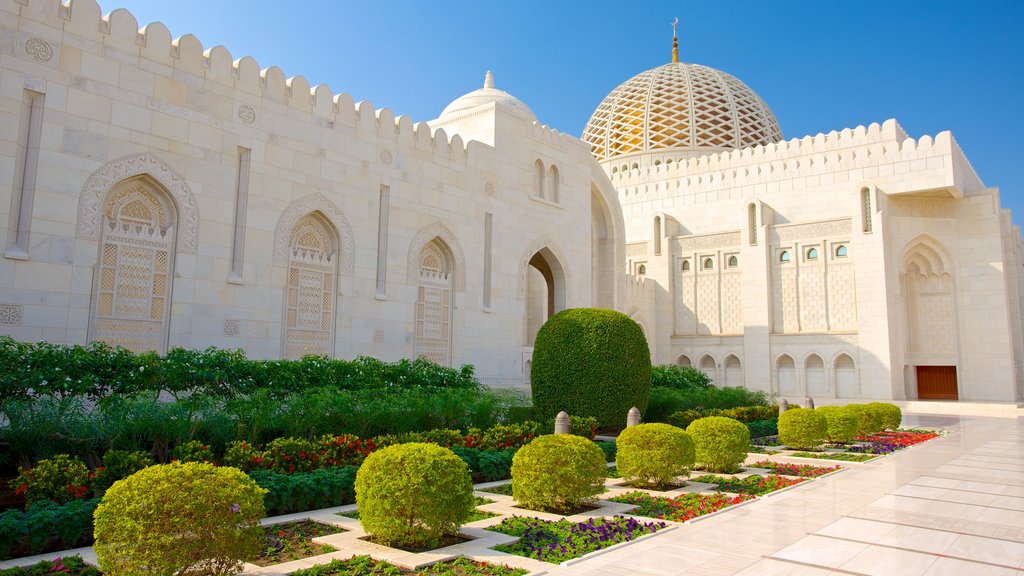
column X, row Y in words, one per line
column 841, row 456
column 562, row 540
column 294, row 541
column 366, row 566
column 69, row 566
column 680, row 508
column 801, row 470
column 754, row 485
column 477, row 514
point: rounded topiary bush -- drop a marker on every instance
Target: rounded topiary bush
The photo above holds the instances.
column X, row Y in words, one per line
column 720, row 444
column 890, row 414
column 179, row 519
column 558, row 473
column 410, row 495
column 871, row 419
column 654, row 454
column 802, row 428
column 840, row 424
column 591, row 362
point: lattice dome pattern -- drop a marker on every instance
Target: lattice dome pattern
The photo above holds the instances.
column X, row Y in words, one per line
column 679, row 106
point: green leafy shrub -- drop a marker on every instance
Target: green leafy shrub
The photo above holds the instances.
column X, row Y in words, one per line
column 292, row 455
column 71, row 565
column 410, row 495
column 344, row 450
column 46, row 526
column 681, row 378
column 871, row 421
column 720, row 444
column 192, row 451
column 762, row 428
column 585, row 427
column 840, row 424
column 302, row 491
column 501, row 436
column 802, row 428
column 558, row 473
column 683, row 418
column 654, row 454
column 591, row 362
column 609, row 448
column 245, row 456
column 118, row 464
column 59, row 479
column 179, row 518
column 490, row 465
column 891, row 415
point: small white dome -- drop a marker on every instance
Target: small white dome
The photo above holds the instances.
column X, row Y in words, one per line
column 680, row 106
column 486, row 95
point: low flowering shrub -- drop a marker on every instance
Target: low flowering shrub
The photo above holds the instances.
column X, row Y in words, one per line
column 842, row 456
column 558, row 541
column 362, row 565
column 179, row 518
column 503, row 436
column 46, row 526
column 70, row 566
column 654, row 454
column 720, row 443
column 802, row 428
column 801, row 470
column 291, row 455
column 558, row 473
column 59, row 479
column 192, row 451
column 410, row 495
column 118, row 464
column 343, row 450
column 680, row 508
column 756, row 485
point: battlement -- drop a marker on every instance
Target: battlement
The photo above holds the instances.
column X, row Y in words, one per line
column 119, row 30
column 844, row 150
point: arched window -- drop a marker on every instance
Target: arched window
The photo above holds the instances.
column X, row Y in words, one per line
column 434, row 303
column 812, row 254
column 636, row 166
column 657, row 162
column 552, row 189
column 686, row 266
column 709, row 263
column 641, row 270
column 683, row 360
column 615, row 169
column 784, row 257
column 538, row 179
column 785, row 374
column 733, row 262
column 708, row 366
column 310, row 293
column 841, row 251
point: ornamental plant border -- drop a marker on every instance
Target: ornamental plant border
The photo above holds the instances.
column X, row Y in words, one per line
column 670, row 527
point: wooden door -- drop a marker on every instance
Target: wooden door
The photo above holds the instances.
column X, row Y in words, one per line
column 936, row 383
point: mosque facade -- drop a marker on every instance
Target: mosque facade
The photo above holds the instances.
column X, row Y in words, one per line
column 156, row 193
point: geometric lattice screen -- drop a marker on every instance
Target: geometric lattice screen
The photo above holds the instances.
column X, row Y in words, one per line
column 434, row 303
column 310, row 292
column 679, row 105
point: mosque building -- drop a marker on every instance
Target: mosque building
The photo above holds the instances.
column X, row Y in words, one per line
column 156, row 193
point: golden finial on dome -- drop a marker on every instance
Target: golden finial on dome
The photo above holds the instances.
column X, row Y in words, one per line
column 675, row 42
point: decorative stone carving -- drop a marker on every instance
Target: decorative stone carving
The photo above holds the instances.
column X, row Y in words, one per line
column 10, row 314
column 426, row 234
column 489, row 189
column 39, row 49
column 247, row 113
column 232, row 327
column 709, row 241
column 315, row 203
column 825, row 229
column 386, row 157
column 783, row 405
column 633, row 417
column 562, row 423
column 95, row 191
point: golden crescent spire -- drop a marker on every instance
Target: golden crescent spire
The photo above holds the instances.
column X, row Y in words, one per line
column 675, row 42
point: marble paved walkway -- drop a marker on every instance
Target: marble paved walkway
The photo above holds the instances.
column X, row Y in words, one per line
column 954, row 505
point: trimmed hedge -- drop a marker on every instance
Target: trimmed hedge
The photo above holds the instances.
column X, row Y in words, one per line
column 299, row 492
column 591, row 362
column 558, row 473
column 891, row 415
column 654, row 454
column 683, row 418
column 802, row 428
column 720, row 444
column 840, row 424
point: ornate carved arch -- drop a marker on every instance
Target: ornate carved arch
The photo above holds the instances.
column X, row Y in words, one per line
column 99, row 183
column 534, row 247
column 315, row 202
column 426, row 234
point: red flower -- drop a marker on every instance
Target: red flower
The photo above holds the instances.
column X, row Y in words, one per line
column 21, row 489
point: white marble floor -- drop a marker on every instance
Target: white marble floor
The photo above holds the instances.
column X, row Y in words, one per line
column 954, row 505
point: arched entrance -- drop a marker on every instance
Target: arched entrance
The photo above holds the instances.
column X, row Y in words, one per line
column 926, row 284
column 544, row 291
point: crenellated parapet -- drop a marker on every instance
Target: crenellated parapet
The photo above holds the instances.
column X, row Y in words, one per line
column 120, row 31
column 835, row 152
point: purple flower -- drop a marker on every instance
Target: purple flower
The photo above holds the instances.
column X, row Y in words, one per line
column 236, row 508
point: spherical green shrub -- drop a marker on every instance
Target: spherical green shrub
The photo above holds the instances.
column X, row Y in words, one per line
column 59, row 479
column 720, row 444
column 179, row 518
column 891, row 415
column 591, row 362
column 871, row 419
column 410, row 495
column 558, row 473
column 802, row 428
column 840, row 424
column 654, row 454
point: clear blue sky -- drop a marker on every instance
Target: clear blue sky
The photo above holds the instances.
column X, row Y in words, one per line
column 933, row 65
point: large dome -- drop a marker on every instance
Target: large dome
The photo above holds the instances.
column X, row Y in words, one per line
column 679, row 106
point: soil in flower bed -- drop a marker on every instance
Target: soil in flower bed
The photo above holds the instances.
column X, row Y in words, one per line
column 801, row 470
column 843, row 456
column 473, row 517
column 71, row 566
column 563, row 540
column 680, row 508
column 366, row 566
column 445, row 541
column 756, row 485
column 293, row 541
